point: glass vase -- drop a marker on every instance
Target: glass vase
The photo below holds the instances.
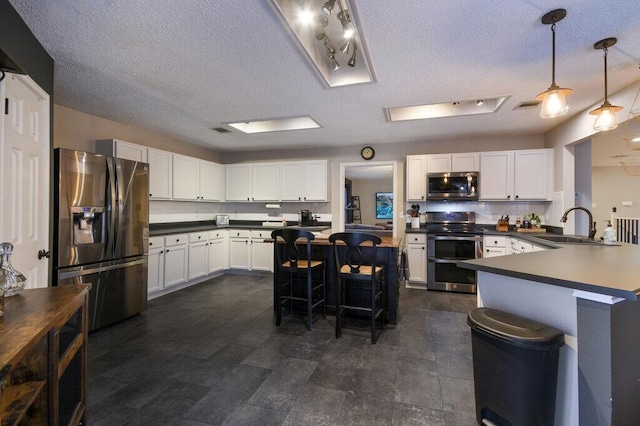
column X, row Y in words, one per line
column 12, row 281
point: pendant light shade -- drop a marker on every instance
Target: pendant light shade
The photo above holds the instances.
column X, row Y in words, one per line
column 606, row 114
column 554, row 103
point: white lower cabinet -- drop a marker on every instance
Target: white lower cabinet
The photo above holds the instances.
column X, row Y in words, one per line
column 155, row 280
column 218, row 251
column 198, row 254
column 176, row 258
column 495, row 245
column 417, row 257
column 261, row 251
column 239, row 249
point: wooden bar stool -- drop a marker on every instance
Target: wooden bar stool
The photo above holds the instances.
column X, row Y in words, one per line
column 355, row 272
column 294, row 274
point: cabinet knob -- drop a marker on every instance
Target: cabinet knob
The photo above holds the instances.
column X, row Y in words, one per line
column 199, row 236
column 150, row 195
column 150, row 243
column 422, row 248
column 177, row 240
column 167, row 250
column 495, row 242
column 299, row 199
column 162, row 251
column 508, row 196
column 517, row 196
column 44, row 253
column 422, row 197
column 305, row 198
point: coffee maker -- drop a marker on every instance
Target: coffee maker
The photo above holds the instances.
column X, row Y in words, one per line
column 305, row 218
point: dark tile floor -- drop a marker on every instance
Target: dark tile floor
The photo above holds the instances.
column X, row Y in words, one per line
column 211, row 354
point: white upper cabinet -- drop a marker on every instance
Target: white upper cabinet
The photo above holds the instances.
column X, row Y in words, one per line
column 496, row 175
column 533, row 174
column 314, row 180
column 238, row 182
column 416, row 177
column 516, row 175
column 185, row 178
column 445, row 163
column 439, row 163
column 304, row 180
column 160, row 176
column 291, row 181
column 210, row 180
column 265, row 182
column 121, row 149
column 467, row 162
column 195, row 179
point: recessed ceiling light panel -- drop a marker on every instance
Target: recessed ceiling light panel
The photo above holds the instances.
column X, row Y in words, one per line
column 446, row 109
column 275, row 125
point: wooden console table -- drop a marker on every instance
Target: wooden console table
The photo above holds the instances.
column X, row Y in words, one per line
column 43, row 356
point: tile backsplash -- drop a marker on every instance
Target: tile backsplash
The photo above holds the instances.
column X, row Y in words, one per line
column 488, row 212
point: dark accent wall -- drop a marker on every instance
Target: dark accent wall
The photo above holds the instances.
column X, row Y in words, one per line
column 18, row 42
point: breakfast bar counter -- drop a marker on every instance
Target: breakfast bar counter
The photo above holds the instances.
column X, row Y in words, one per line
column 590, row 292
column 387, row 256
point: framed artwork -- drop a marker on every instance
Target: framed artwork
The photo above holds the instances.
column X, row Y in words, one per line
column 384, row 205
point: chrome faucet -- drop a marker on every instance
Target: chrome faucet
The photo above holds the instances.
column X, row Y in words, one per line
column 592, row 224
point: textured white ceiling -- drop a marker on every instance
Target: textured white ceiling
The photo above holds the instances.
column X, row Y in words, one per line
column 179, row 68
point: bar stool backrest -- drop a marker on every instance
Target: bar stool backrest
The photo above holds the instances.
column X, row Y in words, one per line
column 354, row 241
column 292, row 250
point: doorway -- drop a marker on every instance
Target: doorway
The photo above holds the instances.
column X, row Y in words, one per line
column 369, row 178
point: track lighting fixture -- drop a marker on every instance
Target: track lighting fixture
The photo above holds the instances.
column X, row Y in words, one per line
column 606, row 114
column 327, row 7
column 554, row 103
column 352, row 59
column 347, row 29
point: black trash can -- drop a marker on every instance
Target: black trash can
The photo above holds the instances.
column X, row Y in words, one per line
column 515, row 368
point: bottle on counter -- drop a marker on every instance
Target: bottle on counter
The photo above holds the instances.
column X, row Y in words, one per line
column 518, row 223
column 609, row 234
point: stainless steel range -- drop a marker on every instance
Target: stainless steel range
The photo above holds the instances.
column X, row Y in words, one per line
column 452, row 237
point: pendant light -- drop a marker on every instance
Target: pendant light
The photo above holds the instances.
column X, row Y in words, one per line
column 606, row 119
column 554, row 103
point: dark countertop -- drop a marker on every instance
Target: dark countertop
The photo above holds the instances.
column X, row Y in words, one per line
column 156, row 229
column 597, row 268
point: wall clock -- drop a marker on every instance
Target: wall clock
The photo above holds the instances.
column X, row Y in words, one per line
column 367, row 153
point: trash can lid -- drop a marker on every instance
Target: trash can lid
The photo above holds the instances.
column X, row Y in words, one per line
column 515, row 330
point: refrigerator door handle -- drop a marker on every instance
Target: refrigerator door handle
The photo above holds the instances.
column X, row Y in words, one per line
column 80, row 271
column 112, row 207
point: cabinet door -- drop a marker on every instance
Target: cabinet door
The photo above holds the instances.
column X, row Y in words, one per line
column 175, row 265
column 160, row 177
column 198, row 256
column 130, row 151
column 156, row 270
column 210, row 181
column 532, row 175
column 416, row 177
column 238, row 182
column 314, row 180
column 239, row 253
column 417, row 258
column 468, row 162
column 496, row 175
column 291, row 181
column 185, row 178
column 217, row 254
column 261, row 252
column 266, row 182
column 439, row 163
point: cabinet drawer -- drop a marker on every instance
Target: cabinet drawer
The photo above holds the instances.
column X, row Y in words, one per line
column 416, row 238
column 156, row 242
column 260, row 234
column 492, row 241
column 194, row 237
column 216, row 235
column 176, row 240
column 239, row 233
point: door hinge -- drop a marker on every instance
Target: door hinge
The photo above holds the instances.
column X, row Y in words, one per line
column 6, row 106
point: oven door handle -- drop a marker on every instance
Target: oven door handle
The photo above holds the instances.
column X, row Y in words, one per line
column 456, row 238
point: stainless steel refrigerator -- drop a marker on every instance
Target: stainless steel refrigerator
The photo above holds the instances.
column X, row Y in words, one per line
column 101, row 230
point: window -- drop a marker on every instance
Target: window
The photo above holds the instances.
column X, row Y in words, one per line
column 384, row 205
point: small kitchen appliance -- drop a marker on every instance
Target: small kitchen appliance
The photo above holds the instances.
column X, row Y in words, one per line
column 305, row 218
column 458, row 186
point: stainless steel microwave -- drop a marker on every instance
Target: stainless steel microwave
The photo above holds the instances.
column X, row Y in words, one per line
column 453, row 186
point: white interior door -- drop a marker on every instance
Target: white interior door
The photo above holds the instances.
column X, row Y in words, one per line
column 25, row 150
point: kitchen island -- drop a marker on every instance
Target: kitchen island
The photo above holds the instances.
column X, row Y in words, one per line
column 387, row 256
column 590, row 292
